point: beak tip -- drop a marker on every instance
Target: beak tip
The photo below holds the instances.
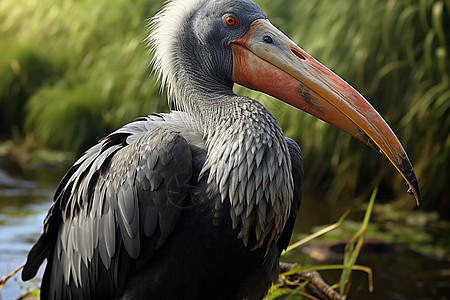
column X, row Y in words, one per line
column 408, row 173
column 414, row 190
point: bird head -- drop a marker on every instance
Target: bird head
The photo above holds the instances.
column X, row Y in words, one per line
column 213, row 44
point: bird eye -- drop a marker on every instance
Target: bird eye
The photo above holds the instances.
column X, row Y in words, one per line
column 231, row 20
column 267, row 39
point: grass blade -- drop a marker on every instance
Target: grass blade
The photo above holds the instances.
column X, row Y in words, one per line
column 354, row 246
column 316, row 234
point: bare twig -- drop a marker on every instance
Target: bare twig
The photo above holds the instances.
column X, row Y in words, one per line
column 316, row 286
column 7, row 276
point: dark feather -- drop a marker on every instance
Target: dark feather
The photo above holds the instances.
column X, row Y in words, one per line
column 102, row 173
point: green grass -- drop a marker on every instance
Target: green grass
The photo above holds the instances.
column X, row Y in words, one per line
column 96, row 52
column 73, row 71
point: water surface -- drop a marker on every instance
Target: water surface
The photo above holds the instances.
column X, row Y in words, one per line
column 25, row 197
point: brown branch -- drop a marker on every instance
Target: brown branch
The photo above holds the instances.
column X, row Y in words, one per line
column 316, row 286
column 7, row 276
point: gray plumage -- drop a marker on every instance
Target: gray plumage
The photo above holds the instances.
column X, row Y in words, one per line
column 180, row 203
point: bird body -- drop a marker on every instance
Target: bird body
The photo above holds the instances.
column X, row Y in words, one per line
column 199, row 202
column 151, row 180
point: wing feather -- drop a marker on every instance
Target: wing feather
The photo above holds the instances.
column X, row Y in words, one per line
column 123, row 195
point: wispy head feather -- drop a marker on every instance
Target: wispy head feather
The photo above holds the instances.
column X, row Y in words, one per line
column 165, row 29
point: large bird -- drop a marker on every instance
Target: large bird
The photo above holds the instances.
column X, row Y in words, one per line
column 199, row 202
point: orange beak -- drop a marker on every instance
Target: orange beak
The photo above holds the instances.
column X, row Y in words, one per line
column 264, row 59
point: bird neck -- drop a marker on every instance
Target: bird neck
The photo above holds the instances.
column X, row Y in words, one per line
column 247, row 164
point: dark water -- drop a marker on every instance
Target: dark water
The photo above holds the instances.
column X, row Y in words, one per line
column 399, row 273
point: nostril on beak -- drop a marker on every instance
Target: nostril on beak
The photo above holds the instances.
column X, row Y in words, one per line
column 298, row 54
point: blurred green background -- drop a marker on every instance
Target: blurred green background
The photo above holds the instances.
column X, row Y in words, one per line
column 74, row 70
